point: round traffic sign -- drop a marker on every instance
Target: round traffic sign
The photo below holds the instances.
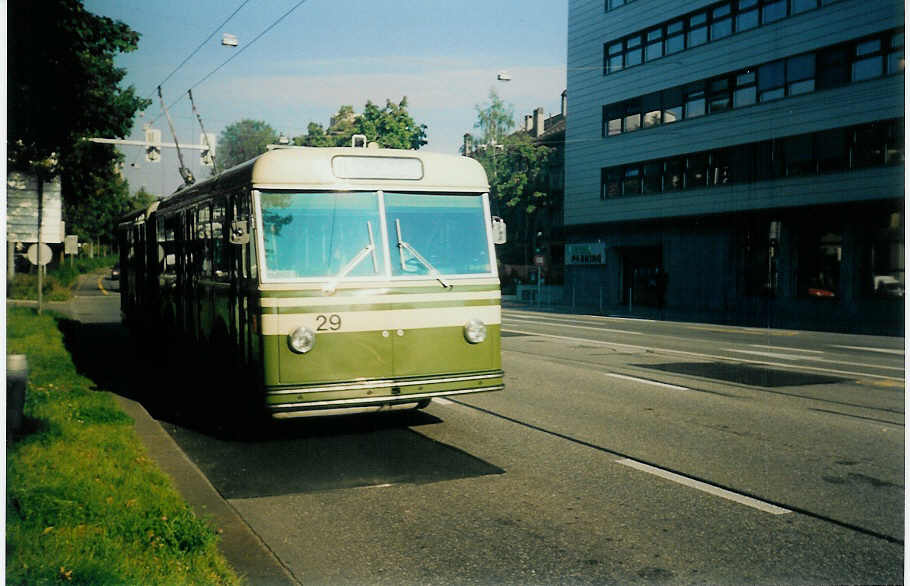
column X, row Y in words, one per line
column 46, row 254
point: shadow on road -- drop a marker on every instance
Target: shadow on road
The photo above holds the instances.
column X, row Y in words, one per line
column 261, row 457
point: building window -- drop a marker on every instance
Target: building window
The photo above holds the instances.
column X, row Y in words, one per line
column 894, row 143
column 868, row 60
column 673, row 174
column 695, row 100
column 819, row 259
column 798, row 6
column 633, row 51
column 868, row 146
column 672, row 105
column 631, row 182
column 676, row 39
column 887, row 257
column 712, row 23
column 614, row 57
column 771, row 81
column 720, row 167
column 798, row 155
column 651, row 110
column 827, row 68
column 836, row 150
column 696, row 170
column 747, row 17
column 698, row 30
column 833, row 151
column 652, row 177
column 746, row 91
column 896, row 53
column 773, row 11
column 719, row 96
column 654, row 49
column 611, row 179
column 801, row 74
column 721, row 21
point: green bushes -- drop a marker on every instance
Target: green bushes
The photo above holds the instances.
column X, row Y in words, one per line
column 84, row 503
column 60, row 281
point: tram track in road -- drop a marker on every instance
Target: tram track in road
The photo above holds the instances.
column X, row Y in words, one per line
column 681, row 477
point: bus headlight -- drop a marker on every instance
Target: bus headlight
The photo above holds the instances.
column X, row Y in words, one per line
column 475, row 331
column 301, row 340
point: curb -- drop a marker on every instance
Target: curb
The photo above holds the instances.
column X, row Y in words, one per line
column 243, row 549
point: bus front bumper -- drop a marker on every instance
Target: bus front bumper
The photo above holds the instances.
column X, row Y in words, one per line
column 375, row 395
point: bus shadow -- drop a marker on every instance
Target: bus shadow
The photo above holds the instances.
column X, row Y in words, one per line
column 326, row 454
column 262, row 457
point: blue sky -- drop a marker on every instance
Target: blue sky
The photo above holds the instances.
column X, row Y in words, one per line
column 442, row 55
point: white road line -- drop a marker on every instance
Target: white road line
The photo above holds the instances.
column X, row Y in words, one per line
column 768, row 354
column 571, row 339
column 564, row 325
column 647, row 382
column 562, row 316
column 441, row 401
column 787, row 348
column 704, row 487
column 882, row 350
column 715, row 357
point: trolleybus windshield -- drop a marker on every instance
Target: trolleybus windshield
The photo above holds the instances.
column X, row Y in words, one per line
column 339, row 235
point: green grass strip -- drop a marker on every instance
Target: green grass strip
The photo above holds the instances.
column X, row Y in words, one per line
column 84, row 503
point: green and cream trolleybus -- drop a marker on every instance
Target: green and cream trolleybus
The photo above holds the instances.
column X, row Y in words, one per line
column 337, row 279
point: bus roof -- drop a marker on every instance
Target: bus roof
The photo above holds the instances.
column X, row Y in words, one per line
column 347, row 169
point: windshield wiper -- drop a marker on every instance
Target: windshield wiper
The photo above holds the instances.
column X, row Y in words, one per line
column 418, row 256
column 370, row 248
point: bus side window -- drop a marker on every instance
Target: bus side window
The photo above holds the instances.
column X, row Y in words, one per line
column 219, row 254
column 170, row 246
column 204, row 239
column 248, row 256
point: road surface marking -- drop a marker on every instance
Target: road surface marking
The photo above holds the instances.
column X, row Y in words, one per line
column 645, row 381
column 571, row 339
column 787, row 348
column 768, row 354
column 704, row 487
column 101, row 287
column 882, row 350
column 714, row 356
column 441, row 401
column 811, row 359
column 563, row 325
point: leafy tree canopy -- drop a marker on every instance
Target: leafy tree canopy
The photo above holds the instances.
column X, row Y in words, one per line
column 62, row 83
column 495, row 120
column 244, row 140
column 391, row 127
column 63, row 87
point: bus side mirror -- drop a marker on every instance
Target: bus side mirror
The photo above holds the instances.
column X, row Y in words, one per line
column 499, row 230
column 240, row 233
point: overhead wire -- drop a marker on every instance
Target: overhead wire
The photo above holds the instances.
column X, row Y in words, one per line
column 202, row 44
column 234, row 56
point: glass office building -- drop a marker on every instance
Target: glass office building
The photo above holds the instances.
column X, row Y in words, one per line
column 739, row 161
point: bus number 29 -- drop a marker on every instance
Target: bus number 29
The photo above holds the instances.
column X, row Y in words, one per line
column 328, row 322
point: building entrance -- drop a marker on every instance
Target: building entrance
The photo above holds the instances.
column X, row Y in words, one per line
column 644, row 280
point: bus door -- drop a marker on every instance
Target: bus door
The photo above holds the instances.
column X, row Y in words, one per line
column 240, row 274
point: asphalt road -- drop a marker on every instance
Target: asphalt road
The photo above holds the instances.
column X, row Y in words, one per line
column 621, row 451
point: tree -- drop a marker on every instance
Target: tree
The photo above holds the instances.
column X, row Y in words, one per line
column 244, row 140
column 518, row 171
column 62, row 88
column 390, row 127
column 495, row 120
